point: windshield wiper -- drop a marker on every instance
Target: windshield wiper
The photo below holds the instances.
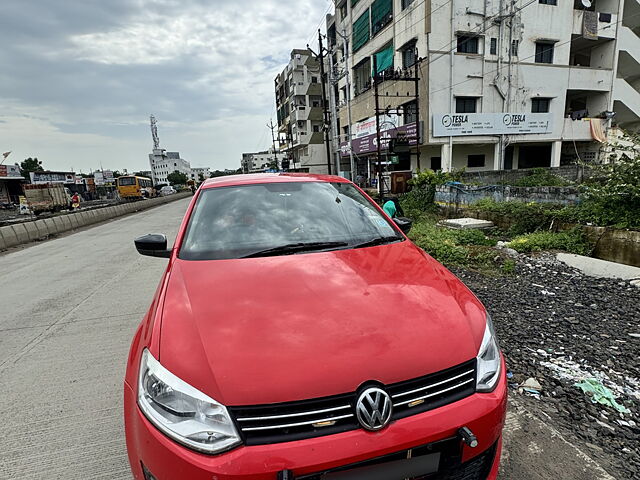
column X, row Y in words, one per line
column 292, row 248
column 377, row 241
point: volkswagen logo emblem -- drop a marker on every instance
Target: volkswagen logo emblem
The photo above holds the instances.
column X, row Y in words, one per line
column 373, row 409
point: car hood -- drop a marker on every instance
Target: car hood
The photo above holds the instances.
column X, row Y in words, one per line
column 275, row 329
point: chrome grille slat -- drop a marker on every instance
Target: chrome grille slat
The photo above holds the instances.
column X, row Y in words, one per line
column 448, row 380
column 302, row 419
column 433, row 394
column 299, row 414
column 300, row 424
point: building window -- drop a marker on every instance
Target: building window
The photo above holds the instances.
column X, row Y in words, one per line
column 514, row 48
column 343, row 11
column 493, row 47
column 381, row 15
column 316, row 128
column 467, row 44
column 410, row 112
column 409, row 55
column 362, row 76
column 436, row 163
column 466, row 104
column 314, row 79
column 540, row 105
column 406, row 3
column 474, row 161
column 544, row 52
column 548, row 2
column 361, row 32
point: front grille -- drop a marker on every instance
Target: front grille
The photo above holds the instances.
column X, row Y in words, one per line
column 284, row 422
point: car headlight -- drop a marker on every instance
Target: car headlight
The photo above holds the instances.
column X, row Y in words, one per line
column 181, row 412
column 489, row 361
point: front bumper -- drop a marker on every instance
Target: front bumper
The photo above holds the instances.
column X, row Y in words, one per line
column 484, row 414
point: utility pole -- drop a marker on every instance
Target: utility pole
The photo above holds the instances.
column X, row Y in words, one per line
column 345, row 39
column 272, row 127
column 324, row 102
column 417, row 91
column 334, row 113
column 377, row 99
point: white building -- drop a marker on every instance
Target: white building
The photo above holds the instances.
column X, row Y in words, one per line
column 163, row 163
column 196, row 172
column 261, row 161
column 535, row 84
column 299, row 112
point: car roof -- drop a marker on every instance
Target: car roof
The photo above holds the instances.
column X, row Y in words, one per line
column 257, row 178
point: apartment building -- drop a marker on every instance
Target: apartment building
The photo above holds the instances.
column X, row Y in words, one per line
column 501, row 86
column 163, row 163
column 298, row 94
column 262, row 161
column 196, row 172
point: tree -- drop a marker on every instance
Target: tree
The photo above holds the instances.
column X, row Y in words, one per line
column 177, row 178
column 30, row 165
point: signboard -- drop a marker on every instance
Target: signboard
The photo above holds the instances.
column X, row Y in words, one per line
column 53, row 177
column 12, row 171
column 461, row 124
column 368, row 126
column 369, row 143
column 98, row 178
column 108, row 176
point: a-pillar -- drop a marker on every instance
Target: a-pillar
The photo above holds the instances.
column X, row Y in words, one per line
column 446, row 155
column 556, row 150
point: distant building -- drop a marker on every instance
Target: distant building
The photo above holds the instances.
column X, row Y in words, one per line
column 164, row 163
column 262, row 161
column 10, row 183
column 300, row 117
column 196, row 172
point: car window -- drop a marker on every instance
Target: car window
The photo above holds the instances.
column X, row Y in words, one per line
column 233, row 222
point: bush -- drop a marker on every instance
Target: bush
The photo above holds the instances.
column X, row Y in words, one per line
column 541, row 177
column 421, row 198
column 527, row 217
column 572, row 241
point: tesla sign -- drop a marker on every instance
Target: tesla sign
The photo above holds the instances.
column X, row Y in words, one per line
column 461, row 124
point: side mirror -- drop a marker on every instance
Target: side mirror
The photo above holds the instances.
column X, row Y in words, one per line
column 153, row 245
column 404, row 224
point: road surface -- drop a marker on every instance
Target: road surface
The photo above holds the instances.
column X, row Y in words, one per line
column 70, row 307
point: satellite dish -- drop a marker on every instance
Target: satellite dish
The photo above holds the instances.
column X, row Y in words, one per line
column 586, row 3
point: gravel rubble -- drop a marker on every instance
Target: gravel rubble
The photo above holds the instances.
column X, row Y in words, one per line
column 558, row 326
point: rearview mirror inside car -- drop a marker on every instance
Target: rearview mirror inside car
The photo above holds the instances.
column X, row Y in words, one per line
column 153, row 245
column 404, row 223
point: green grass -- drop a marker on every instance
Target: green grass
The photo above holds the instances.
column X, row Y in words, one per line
column 572, row 241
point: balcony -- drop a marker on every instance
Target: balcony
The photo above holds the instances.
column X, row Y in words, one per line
column 586, row 78
column 606, row 29
column 626, row 94
column 579, row 130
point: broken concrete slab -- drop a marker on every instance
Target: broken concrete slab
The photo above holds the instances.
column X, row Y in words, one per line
column 600, row 268
column 467, row 223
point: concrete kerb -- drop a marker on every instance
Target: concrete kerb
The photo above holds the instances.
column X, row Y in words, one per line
column 21, row 233
column 61, row 226
column 14, row 235
column 8, row 236
column 43, row 231
column 32, row 230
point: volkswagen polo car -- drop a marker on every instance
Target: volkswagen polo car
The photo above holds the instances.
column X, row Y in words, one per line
column 297, row 333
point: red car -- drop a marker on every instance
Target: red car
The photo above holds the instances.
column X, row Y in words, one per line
column 298, row 334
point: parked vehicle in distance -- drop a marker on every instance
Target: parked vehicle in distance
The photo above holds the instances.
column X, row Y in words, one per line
column 297, row 333
column 47, row 197
column 131, row 187
column 167, row 190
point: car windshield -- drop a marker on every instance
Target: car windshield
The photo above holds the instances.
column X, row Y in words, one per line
column 282, row 219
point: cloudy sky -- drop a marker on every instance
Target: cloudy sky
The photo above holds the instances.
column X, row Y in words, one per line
column 79, row 78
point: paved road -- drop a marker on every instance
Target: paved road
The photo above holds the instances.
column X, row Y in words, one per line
column 69, row 308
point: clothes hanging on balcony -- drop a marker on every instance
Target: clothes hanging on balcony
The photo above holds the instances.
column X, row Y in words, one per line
column 597, row 130
column 590, row 25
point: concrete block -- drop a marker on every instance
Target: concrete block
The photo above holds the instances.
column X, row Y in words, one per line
column 32, row 230
column 83, row 219
column 51, row 226
column 466, row 223
column 73, row 218
column 66, row 221
column 43, row 231
column 21, row 233
column 61, row 226
column 3, row 245
column 8, row 236
column 600, row 268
